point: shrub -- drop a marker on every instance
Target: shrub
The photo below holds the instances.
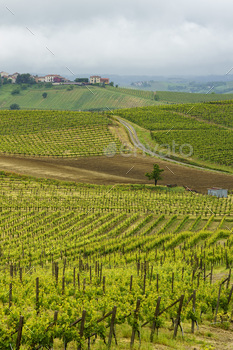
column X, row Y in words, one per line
column 15, row 91
column 14, row 106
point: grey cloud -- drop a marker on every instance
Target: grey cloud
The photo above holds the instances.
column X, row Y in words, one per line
column 123, row 37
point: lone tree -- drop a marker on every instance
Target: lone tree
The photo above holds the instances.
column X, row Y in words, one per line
column 155, row 174
column 44, row 94
column 14, row 106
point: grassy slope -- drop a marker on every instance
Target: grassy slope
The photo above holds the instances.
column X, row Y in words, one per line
column 80, row 98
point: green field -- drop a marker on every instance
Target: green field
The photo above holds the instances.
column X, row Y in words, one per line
column 95, row 247
column 95, row 98
column 80, row 98
column 186, row 97
column 55, row 133
column 206, row 128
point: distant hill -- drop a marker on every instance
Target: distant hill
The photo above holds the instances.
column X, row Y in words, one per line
column 181, row 85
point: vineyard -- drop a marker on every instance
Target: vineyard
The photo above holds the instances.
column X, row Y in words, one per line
column 93, row 98
column 150, row 95
column 78, row 98
column 206, row 127
column 186, row 97
column 219, row 112
column 56, row 134
column 83, row 262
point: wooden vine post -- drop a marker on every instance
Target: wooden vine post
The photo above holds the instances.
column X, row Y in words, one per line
column 10, row 295
column 131, row 283
column 136, row 314
column 37, row 295
column 219, row 293
column 154, row 322
column 81, row 333
column 230, row 294
column 112, row 332
column 194, row 306
column 177, row 321
column 19, row 335
column 144, row 284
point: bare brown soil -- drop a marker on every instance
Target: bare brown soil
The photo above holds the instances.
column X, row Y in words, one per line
column 115, row 170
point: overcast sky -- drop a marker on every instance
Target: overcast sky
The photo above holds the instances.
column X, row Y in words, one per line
column 128, row 37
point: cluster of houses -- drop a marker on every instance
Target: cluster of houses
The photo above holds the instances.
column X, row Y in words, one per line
column 55, row 79
column 8, row 76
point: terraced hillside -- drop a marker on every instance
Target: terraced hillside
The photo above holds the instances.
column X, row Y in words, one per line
column 66, row 248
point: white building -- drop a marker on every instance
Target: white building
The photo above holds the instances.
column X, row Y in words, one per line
column 50, row 78
column 4, row 74
column 13, row 77
column 218, row 192
column 95, row 79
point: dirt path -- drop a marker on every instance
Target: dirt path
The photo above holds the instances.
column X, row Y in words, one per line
column 118, row 169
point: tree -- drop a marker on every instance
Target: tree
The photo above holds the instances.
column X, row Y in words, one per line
column 44, row 94
column 155, row 174
column 6, row 81
column 25, row 79
column 14, row 106
column 48, row 85
column 81, row 80
column 15, row 91
column 111, row 84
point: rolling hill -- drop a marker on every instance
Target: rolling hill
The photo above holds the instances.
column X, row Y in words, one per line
column 78, row 98
column 94, row 98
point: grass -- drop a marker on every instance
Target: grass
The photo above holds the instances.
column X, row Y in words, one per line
column 203, row 340
column 80, row 98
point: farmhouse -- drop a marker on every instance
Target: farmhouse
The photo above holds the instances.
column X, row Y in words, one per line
column 13, row 77
column 217, row 192
column 39, row 79
column 104, row 80
column 8, row 76
column 54, row 78
column 4, row 74
column 96, row 79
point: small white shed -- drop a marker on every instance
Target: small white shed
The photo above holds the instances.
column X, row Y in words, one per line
column 218, row 192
